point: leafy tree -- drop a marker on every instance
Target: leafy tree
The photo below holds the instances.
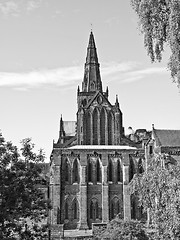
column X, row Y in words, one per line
column 119, row 229
column 159, row 22
column 22, row 203
column 158, row 190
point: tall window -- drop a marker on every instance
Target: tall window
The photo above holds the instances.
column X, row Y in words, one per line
column 102, row 126
column 90, row 171
column 75, row 171
column 88, row 128
column 95, row 127
column 119, row 171
column 66, row 171
column 98, row 171
column 133, row 207
column 66, row 209
column 75, row 209
column 140, row 166
column 58, row 215
column 110, row 171
column 131, row 168
column 110, row 128
column 94, row 209
column 115, row 209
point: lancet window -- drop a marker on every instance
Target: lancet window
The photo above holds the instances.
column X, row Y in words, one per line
column 119, row 171
column 66, row 210
column 102, row 126
column 110, row 171
column 90, row 168
column 94, row 209
column 75, row 209
column 75, row 172
column 110, row 128
column 88, row 128
column 140, row 166
column 115, row 209
column 67, row 171
column 98, row 171
column 95, row 127
column 131, row 168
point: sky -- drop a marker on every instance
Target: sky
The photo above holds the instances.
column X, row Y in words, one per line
column 43, row 45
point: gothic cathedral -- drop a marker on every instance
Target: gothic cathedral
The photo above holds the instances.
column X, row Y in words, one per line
column 92, row 161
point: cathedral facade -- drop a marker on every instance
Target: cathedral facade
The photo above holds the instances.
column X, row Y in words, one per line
column 93, row 161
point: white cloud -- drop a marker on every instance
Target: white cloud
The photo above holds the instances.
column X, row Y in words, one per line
column 137, row 75
column 69, row 76
column 58, row 77
column 15, row 7
column 33, row 4
column 9, row 7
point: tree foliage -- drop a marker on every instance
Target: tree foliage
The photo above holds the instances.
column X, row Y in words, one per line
column 158, row 190
column 119, row 229
column 22, row 203
column 159, row 22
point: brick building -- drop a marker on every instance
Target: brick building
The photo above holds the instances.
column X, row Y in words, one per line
column 92, row 161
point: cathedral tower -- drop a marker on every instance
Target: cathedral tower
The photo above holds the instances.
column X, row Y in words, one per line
column 98, row 121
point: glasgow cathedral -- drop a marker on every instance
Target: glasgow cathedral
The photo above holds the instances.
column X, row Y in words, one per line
column 93, row 161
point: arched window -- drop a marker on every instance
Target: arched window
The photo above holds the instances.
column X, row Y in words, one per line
column 140, row 166
column 91, row 210
column 95, row 127
column 75, row 172
column 102, row 126
column 88, row 128
column 66, row 171
column 66, row 209
column 110, row 171
column 119, row 171
column 75, row 209
column 93, row 86
column 133, row 207
column 90, row 171
column 115, row 209
column 98, row 171
column 58, row 215
column 131, row 168
column 94, row 209
column 110, row 128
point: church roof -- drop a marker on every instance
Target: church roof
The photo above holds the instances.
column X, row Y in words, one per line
column 103, row 147
column 167, row 138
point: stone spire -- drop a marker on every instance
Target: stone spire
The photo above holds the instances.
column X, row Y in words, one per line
column 117, row 102
column 92, row 79
column 61, row 131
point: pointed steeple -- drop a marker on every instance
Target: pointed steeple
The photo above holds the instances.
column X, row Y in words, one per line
column 117, row 102
column 92, row 79
column 61, row 131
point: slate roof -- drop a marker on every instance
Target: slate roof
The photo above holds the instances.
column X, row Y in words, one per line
column 167, row 138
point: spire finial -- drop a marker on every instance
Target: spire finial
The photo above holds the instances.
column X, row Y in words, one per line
column 117, row 102
column 91, row 27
